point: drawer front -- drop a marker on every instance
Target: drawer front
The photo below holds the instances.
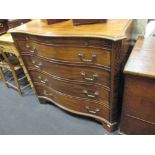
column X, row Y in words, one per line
column 133, row 126
column 62, row 53
column 140, row 107
column 71, row 72
column 86, row 91
column 139, row 98
column 77, row 105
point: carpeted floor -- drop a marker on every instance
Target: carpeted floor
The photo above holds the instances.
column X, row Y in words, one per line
column 24, row 115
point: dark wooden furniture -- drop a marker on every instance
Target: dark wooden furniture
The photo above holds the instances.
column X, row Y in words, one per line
column 77, row 69
column 17, row 22
column 6, row 24
column 53, row 21
column 3, row 26
column 138, row 115
column 77, row 22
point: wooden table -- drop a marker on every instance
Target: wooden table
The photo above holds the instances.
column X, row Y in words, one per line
column 7, row 43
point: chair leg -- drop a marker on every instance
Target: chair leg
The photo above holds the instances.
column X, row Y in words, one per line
column 3, row 77
column 16, row 82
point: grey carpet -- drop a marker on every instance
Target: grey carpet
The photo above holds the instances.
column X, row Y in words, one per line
column 24, row 115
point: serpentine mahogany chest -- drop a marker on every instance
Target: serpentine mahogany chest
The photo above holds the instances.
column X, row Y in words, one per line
column 77, row 67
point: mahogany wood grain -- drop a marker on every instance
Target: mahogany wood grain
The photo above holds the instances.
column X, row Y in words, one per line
column 53, row 21
column 113, row 29
column 135, row 126
column 63, row 53
column 65, row 50
column 73, row 89
column 139, row 98
column 138, row 116
column 71, row 103
column 69, row 72
column 141, row 61
column 77, row 22
column 65, row 41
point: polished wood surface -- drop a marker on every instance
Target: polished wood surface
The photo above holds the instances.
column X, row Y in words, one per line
column 71, row 72
column 141, row 61
column 71, row 104
column 92, row 55
column 113, row 29
column 53, row 21
column 142, row 97
column 86, row 71
column 138, row 115
column 86, row 91
column 136, row 126
column 88, row 21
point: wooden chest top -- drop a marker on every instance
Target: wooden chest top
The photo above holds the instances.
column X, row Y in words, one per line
column 113, row 29
column 142, row 59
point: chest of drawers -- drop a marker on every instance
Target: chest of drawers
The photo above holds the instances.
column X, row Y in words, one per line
column 77, row 68
column 138, row 115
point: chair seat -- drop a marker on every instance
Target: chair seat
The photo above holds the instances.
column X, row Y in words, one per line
column 13, row 60
column 9, row 61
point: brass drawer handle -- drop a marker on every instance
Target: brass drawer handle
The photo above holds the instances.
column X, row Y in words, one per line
column 91, row 111
column 87, row 60
column 94, row 76
column 28, row 46
column 32, row 50
column 90, row 95
column 26, row 38
column 44, row 81
column 47, row 94
column 1, row 24
column 39, row 65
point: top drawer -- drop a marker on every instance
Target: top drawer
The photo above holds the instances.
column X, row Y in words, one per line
column 94, row 52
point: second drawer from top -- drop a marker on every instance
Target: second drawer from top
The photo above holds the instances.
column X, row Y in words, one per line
column 78, row 73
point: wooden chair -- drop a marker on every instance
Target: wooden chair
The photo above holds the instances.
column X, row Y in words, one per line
column 10, row 63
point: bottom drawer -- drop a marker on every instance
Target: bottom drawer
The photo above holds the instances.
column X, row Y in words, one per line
column 74, row 105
